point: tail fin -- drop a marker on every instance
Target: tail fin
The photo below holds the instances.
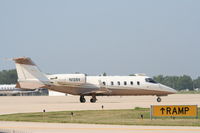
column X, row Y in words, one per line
column 29, row 75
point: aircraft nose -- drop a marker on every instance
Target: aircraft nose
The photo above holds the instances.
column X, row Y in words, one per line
column 167, row 89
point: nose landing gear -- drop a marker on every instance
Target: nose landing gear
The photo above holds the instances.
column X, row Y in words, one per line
column 159, row 99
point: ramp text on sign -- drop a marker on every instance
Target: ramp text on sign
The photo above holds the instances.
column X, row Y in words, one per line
column 174, row 110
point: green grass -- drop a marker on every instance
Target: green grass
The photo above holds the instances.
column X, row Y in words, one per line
column 114, row 117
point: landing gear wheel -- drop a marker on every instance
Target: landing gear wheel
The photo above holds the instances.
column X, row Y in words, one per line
column 82, row 99
column 93, row 100
column 158, row 99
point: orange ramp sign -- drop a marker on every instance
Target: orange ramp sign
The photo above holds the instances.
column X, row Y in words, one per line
column 174, row 110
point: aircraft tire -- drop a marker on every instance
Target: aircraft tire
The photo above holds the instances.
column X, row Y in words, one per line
column 159, row 99
column 93, row 100
column 82, row 99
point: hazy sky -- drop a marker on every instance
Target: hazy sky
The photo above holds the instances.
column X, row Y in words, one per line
column 119, row 37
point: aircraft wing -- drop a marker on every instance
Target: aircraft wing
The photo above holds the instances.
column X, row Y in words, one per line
column 99, row 91
column 102, row 90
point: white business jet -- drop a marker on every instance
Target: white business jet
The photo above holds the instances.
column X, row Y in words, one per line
column 30, row 77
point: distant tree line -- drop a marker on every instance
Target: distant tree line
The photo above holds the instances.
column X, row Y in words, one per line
column 8, row 76
column 176, row 82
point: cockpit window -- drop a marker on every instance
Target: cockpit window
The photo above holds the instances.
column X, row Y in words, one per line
column 150, row 80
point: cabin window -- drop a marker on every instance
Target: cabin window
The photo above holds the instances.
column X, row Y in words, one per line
column 131, row 82
column 112, row 83
column 138, row 83
column 104, row 83
column 118, row 83
column 125, row 83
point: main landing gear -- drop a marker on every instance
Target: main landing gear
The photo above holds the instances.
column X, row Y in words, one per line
column 159, row 99
column 82, row 99
column 92, row 100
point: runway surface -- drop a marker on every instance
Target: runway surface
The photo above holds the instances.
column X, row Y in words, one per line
column 31, row 127
column 55, row 103
column 21, row 104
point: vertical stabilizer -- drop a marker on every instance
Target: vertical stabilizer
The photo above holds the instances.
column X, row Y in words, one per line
column 29, row 75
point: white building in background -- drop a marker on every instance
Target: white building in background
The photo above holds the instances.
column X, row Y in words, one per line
column 8, row 87
column 10, row 90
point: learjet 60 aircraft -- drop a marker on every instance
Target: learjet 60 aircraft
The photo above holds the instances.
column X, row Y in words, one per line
column 30, row 77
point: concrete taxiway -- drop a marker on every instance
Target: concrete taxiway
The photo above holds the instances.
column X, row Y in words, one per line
column 25, row 104
column 22, row 104
column 32, row 127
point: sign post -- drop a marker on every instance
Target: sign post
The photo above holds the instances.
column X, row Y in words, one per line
column 174, row 111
